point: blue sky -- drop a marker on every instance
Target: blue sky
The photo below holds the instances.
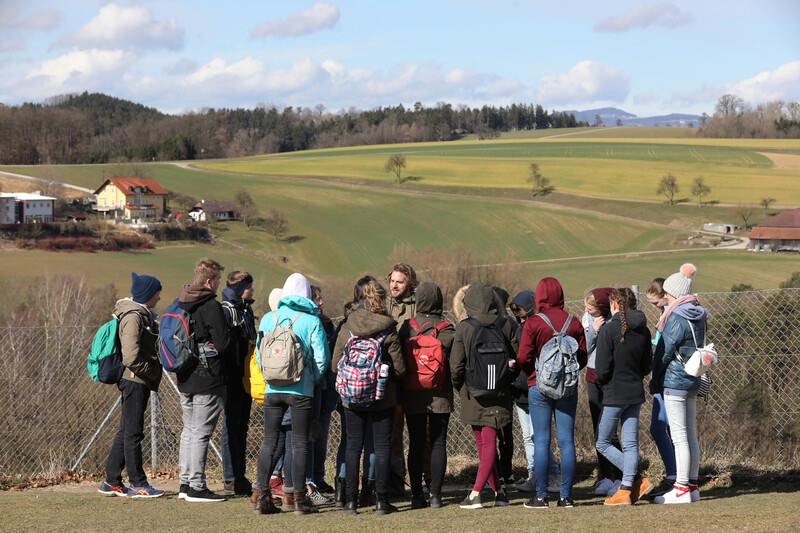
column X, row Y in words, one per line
column 648, row 58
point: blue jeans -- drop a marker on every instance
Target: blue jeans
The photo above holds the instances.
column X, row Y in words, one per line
column 524, row 417
column 627, row 461
column 659, row 426
column 543, row 409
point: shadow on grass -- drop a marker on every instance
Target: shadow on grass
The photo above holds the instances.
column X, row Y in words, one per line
column 291, row 239
column 410, row 178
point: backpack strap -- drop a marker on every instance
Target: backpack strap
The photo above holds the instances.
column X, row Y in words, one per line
column 412, row 322
column 566, row 325
column 441, row 326
column 547, row 321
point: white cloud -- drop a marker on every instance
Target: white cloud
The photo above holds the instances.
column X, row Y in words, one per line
column 11, row 45
column 320, row 15
column 587, row 81
column 82, row 64
column 118, row 27
column 644, row 98
column 782, row 83
column 44, row 19
column 642, row 16
column 182, row 66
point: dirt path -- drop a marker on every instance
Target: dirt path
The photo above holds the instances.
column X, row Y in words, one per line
column 783, row 161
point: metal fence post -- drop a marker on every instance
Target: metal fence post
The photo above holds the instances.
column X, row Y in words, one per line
column 153, row 430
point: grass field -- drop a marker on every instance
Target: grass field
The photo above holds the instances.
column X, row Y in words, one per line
column 738, row 509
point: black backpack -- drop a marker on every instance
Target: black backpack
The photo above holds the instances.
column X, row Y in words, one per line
column 487, row 372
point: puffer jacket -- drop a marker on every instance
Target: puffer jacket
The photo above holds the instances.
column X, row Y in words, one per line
column 479, row 303
column 138, row 334
column 429, row 314
column 310, row 333
column 619, row 368
column 668, row 371
column 364, row 323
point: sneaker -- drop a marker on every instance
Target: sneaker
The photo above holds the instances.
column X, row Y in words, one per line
column 662, row 488
column 472, row 503
column 182, row 491
column 537, row 503
column 694, row 493
column 529, row 485
column 678, row 494
column 603, row 486
column 501, row 499
column 641, row 487
column 614, row 488
column 317, row 497
column 621, row 497
column 109, row 489
column 554, row 483
column 227, row 488
column 508, row 483
column 203, row 496
column 566, row 503
column 144, row 492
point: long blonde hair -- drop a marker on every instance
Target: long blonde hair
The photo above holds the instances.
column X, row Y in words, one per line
column 374, row 295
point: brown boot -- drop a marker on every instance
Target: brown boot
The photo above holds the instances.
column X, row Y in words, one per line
column 264, row 503
column 622, row 497
column 288, row 500
column 254, row 499
column 640, row 487
column 302, row 503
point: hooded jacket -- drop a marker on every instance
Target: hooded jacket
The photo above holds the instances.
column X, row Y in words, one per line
column 479, row 303
column 364, row 323
column 402, row 308
column 536, row 333
column 138, row 334
column 209, row 326
column 311, row 335
column 619, row 368
column 429, row 314
column 243, row 332
column 668, row 371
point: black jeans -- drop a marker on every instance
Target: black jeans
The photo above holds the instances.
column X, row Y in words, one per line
column 607, row 470
column 381, row 422
column 126, row 450
column 275, row 405
column 505, row 446
column 417, row 430
column 235, row 423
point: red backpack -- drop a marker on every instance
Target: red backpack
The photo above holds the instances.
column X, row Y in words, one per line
column 426, row 366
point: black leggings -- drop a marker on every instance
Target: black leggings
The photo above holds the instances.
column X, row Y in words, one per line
column 275, row 406
column 607, row 470
column 417, row 426
column 381, row 422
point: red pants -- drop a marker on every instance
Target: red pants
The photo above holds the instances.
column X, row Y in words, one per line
column 486, row 440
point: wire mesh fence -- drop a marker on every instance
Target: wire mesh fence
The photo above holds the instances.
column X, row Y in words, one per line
column 52, row 415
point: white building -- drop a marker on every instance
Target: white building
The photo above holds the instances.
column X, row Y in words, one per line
column 25, row 207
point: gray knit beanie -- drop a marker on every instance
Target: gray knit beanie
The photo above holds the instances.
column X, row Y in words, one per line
column 680, row 283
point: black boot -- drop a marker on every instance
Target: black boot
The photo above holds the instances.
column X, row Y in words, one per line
column 351, row 505
column 339, row 491
column 367, row 493
column 382, row 506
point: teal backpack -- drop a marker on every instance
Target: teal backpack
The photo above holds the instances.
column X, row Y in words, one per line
column 105, row 360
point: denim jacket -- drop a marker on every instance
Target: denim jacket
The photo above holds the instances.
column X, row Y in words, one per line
column 668, row 372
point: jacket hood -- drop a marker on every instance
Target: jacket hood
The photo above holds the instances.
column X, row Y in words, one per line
column 549, row 294
column 364, row 323
column 635, row 319
column 691, row 311
column 127, row 304
column 194, row 295
column 458, row 304
column 480, row 300
column 601, row 298
column 229, row 295
column 429, row 298
column 526, row 300
column 298, row 303
column 296, row 285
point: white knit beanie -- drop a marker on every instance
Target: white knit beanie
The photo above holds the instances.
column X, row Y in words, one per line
column 680, row 283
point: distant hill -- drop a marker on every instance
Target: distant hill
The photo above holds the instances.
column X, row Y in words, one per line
column 609, row 116
column 107, row 112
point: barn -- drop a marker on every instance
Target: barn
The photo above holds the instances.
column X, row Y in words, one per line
column 780, row 233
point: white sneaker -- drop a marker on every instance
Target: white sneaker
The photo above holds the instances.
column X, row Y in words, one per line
column 529, row 485
column 554, row 483
column 678, row 494
column 614, row 488
column 694, row 493
column 603, row 486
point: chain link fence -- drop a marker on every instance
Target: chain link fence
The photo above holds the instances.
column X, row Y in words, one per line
column 53, row 418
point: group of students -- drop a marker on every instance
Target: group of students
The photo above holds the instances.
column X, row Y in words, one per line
column 612, row 341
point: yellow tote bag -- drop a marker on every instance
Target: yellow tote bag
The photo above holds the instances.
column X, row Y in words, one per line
column 253, row 381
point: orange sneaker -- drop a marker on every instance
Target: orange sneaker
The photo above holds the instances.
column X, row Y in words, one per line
column 622, row 497
column 640, row 487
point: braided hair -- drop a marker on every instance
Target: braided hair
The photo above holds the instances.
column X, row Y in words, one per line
column 626, row 300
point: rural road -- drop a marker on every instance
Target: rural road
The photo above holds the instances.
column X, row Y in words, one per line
column 39, row 180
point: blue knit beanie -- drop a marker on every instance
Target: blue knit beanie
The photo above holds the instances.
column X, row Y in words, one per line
column 144, row 287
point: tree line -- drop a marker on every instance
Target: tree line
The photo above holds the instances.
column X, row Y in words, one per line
column 96, row 128
column 733, row 118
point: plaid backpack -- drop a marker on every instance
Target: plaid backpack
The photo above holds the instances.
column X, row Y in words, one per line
column 426, row 366
column 358, row 369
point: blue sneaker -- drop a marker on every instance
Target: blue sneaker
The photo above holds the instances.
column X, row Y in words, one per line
column 109, row 489
column 144, row 492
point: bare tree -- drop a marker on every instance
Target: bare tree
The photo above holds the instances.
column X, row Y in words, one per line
column 699, row 188
column 765, row 203
column 619, row 122
column 541, row 184
column 745, row 212
column 396, row 163
column 184, row 201
column 668, row 186
column 276, row 224
column 246, row 206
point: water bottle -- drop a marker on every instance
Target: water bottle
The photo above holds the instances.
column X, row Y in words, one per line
column 383, row 376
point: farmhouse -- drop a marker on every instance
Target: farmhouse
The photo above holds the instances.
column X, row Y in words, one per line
column 219, row 210
column 779, row 233
column 131, row 198
column 24, row 207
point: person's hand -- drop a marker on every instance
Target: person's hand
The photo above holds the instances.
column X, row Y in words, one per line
column 598, row 322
